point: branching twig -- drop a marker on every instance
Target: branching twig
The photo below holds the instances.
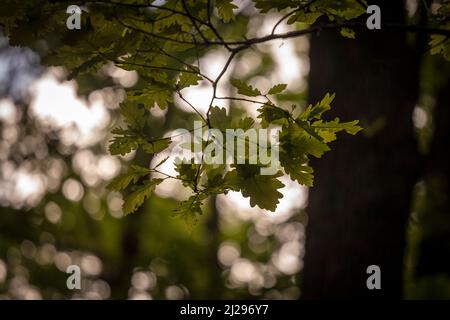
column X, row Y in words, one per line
column 242, row 99
column 234, row 47
column 190, row 105
column 306, row 5
column 194, row 23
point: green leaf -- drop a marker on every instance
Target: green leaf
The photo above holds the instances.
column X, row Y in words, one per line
column 219, row 119
column 244, row 123
column 328, row 129
column 297, row 169
column 190, row 209
column 245, row 89
column 440, row 44
column 187, row 173
column 305, row 17
column 262, row 189
column 270, row 114
column 215, row 183
column 297, row 142
column 156, row 146
column 90, row 66
column 267, row 5
column 277, row 88
column 173, row 22
column 133, row 175
column 187, row 79
column 152, row 96
column 126, row 140
column 316, row 111
column 133, row 114
column 135, row 199
column 225, row 9
column 123, row 145
column 348, row 33
column 343, row 9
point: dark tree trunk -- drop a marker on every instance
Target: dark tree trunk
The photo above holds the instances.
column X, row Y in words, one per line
column 215, row 280
column 434, row 251
column 359, row 206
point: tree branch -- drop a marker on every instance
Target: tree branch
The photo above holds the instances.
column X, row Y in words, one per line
column 306, row 5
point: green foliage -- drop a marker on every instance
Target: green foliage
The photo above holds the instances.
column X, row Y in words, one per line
column 187, row 173
column 155, row 146
column 190, row 209
column 133, row 137
column 164, row 45
column 267, row 5
column 302, row 136
column 245, row 89
column 124, row 142
column 296, row 167
column 225, row 9
column 134, row 115
column 348, row 33
column 305, row 17
column 328, row 129
column 305, row 135
column 278, row 88
column 159, row 96
column 308, row 12
column 440, row 45
column 188, row 79
column 262, row 189
column 219, row 119
column 135, row 199
column 316, row 111
column 270, row 114
column 345, row 9
column 132, row 176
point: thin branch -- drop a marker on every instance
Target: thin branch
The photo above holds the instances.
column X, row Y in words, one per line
column 152, row 66
column 151, row 34
column 306, row 5
column 208, row 11
column 211, row 26
column 169, row 176
column 242, row 99
column 194, row 23
column 297, row 33
column 215, row 83
column 190, row 105
column 148, row 5
column 187, row 65
column 197, row 55
column 243, row 44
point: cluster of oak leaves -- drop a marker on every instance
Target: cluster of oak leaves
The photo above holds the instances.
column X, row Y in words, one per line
column 300, row 137
column 303, row 134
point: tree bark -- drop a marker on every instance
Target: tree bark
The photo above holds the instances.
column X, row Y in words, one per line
column 433, row 255
column 359, row 206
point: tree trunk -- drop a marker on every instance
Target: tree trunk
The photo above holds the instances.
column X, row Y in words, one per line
column 215, row 280
column 359, row 206
column 433, row 256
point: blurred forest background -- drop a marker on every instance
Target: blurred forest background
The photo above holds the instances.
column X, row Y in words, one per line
column 381, row 197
